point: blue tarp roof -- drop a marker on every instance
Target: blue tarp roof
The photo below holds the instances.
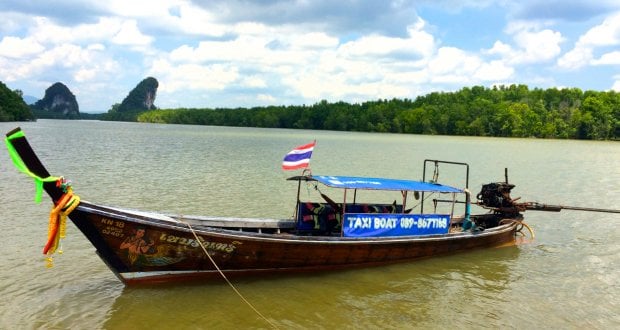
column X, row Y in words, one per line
column 351, row 182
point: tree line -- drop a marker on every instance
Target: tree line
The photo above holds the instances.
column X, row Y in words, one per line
column 500, row 111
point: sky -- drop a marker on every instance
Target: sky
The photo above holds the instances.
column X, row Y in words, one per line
column 242, row 53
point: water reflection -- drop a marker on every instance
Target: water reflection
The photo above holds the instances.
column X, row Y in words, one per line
column 425, row 292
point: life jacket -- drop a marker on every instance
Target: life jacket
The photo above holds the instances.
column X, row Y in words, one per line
column 335, row 216
column 316, row 210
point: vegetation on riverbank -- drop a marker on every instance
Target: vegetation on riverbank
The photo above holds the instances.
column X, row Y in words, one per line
column 12, row 105
column 502, row 111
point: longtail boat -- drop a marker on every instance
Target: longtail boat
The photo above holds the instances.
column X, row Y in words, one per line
column 147, row 247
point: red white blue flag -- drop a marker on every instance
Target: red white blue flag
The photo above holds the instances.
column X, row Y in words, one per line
column 298, row 157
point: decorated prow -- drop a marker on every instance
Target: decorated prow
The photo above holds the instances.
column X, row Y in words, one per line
column 59, row 189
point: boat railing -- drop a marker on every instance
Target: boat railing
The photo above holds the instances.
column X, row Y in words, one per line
column 435, row 178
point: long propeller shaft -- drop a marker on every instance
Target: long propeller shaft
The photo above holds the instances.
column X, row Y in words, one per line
column 557, row 208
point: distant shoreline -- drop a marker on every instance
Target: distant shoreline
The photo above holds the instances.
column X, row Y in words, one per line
column 502, row 111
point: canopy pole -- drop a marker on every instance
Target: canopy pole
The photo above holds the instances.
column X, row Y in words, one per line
column 296, row 215
column 467, row 204
column 344, row 211
column 453, row 203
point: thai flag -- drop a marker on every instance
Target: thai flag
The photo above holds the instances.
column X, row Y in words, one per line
column 298, row 157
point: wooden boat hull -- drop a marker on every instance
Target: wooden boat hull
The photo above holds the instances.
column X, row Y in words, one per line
column 170, row 250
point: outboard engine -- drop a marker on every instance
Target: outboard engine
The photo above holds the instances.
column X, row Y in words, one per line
column 496, row 195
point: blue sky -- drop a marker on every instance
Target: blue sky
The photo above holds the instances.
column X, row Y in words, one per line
column 241, row 53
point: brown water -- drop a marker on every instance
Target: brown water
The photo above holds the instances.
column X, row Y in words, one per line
column 568, row 277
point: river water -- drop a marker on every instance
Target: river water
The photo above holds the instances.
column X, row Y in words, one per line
column 568, row 277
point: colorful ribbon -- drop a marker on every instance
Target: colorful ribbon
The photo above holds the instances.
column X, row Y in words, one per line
column 21, row 166
column 58, row 215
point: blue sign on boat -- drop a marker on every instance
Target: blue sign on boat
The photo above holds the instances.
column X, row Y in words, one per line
column 389, row 224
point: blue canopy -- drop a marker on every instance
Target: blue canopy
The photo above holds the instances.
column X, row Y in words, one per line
column 351, row 182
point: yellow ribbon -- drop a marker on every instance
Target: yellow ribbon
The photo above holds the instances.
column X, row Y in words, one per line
column 58, row 225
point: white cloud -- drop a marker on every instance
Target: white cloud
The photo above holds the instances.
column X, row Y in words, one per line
column 453, row 65
column 611, row 58
column 537, row 46
column 105, row 30
column 17, row 48
column 314, row 40
column 65, row 60
column 500, row 48
column 244, row 48
column 494, row 71
column 98, row 69
column 76, row 65
column 605, row 34
column 47, row 32
column 418, row 44
column 616, row 85
column 254, row 82
column 377, row 45
column 265, row 98
column 141, row 8
column 516, row 26
column 96, row 46
column 83, row 75
column 128, row 34
column 319, row 86
column 174, row 16
column 67, row 56
column 194, row 20
column 576, row 58
column 530, row 45
column 175, row 77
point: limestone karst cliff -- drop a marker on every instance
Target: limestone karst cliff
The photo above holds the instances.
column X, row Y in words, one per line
column 58, row 101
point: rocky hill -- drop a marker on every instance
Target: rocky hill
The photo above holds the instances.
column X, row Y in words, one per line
column 12, row 106
column 140, row 99
column 58, row 102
